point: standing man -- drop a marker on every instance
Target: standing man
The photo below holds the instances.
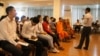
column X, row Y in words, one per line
column 87, row 22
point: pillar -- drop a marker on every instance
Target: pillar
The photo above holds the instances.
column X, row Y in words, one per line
column 57, row 9
column 2, row 9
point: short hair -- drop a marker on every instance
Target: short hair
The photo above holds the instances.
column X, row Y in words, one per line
column 23, row 17
column 8, row 9
column 54, row 19
column 60, row 18
column 51, row 17
column 35, row 20
column 16, row 18
column 45, row 18
column 77, row 19
column 88, row 9
column 28, row 18
column 38, row 16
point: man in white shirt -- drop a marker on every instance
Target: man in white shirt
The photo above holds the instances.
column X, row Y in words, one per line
column 29, row 35
column 77, row 26
column 8, row 37
column 87, row 23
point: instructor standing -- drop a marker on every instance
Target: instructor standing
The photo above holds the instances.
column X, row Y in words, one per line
column 85, row 34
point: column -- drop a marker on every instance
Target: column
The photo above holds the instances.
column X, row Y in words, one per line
column 67, row 13
column 2, row 9
column 57, row 9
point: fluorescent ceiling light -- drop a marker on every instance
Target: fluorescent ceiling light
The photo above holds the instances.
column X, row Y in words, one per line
column 40, row 0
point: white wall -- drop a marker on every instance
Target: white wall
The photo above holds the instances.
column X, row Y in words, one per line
column 2, row 9
column 67, row 13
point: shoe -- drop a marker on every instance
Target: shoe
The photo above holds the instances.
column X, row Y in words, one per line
column 60, row 48
column 85, row 48
column 73, row 37
column 66, row 40
column 54, row 50
column 77, row 48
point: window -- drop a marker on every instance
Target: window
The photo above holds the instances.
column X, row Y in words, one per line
column 78, row 12
column 32, row 11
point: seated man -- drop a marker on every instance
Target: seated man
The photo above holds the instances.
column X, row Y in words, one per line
column 63, row 35
column 29, row 35
column 9, row 41
column 68, row 28
column 77, row 26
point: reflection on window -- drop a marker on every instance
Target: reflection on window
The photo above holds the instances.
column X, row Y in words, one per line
column 78, row 12
column 32, row 11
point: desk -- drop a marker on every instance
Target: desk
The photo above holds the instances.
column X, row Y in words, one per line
column 77, row 28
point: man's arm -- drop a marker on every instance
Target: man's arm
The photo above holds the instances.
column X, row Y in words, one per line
column 4, row 31
column 24, row 29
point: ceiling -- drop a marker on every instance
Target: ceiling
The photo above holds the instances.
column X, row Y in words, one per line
column 50, row 2
column 80, row 2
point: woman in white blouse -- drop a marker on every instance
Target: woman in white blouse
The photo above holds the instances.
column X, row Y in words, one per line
column 42, row 34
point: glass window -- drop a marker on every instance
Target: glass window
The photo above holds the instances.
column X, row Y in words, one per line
column 78, row 12
column 32, row 11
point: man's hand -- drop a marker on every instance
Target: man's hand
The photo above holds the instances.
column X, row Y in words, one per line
column 53, row 33
column 21, row 40
column 45, row 33
column 33, row 37
column 18, row 46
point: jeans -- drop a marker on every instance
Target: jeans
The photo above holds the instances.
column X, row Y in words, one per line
column 48, row 38
column 55, row 39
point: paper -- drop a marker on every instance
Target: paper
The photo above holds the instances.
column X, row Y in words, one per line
column 23, row 43
column 34, row 39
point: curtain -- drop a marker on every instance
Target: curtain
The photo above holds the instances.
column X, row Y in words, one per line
column 33, row 11
column 79, row 10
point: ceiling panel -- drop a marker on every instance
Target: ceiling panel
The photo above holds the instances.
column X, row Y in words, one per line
column 31, row 2
column 80, row 2
column 67, row 2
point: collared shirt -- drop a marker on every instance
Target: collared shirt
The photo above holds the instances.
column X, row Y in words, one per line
column 39, row 28
column 87, row 21
column 28, row 30
column 8, row 30
column 77, row 23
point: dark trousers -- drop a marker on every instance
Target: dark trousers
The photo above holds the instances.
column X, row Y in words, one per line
column 55, row 39
column 85, row 37
column 7, row 46
column 44, row 42
column 2, row 54
column 39, row 46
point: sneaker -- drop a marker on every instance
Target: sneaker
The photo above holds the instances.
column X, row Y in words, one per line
column 73, row 37
column 54, row 50
column 60, row 48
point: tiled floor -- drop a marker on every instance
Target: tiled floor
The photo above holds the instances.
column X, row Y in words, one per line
column 94, row 48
